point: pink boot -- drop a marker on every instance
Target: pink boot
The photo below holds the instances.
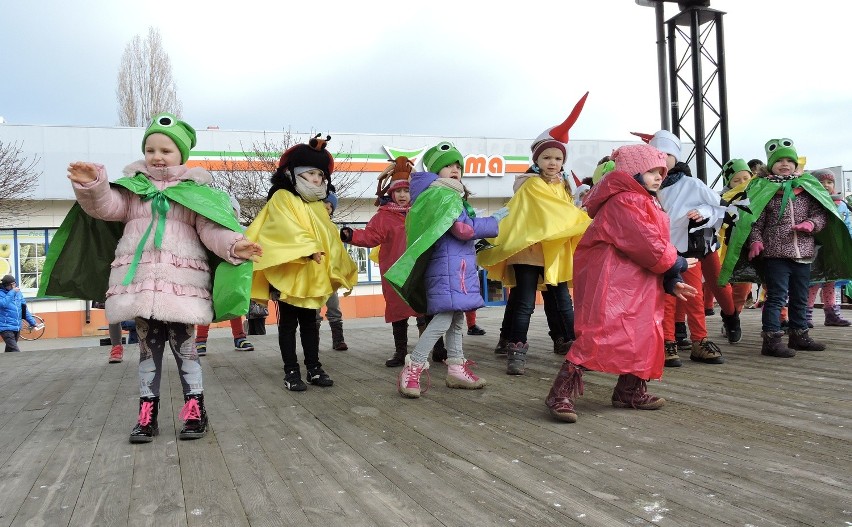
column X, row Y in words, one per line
column 408, row 382
column 459, row 375
column 567, row 386
column 631, row 392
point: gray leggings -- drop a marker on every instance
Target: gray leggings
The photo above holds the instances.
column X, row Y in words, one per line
column 447, row 324
column 153, row 336
column 332, row 313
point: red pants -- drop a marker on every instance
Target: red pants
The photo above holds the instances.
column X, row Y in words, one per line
column 236, row 330
column 470, row 317
column 694, row 308
column 740, row 291
column 711, row 267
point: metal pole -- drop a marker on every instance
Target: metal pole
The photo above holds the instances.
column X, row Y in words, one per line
column 698, row 95
column 665, row 122
column 675, row 103
column 723, row 90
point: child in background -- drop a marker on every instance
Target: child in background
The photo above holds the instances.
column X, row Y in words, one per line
column 160, row 276
column 785, row 212
column 736, row 174
column 332, row 305
column 437, row 273
column 304, row 261
column 536, row 246
column 828, row 295
column 12, row 307
column 695, row 216
column 625, row 249
column 237, row 330
column 386, row 230
column 116, row 353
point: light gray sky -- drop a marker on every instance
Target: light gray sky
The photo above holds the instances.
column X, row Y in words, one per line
column 490, row 69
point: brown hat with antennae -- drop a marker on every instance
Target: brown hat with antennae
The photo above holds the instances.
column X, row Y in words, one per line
column 393, row 177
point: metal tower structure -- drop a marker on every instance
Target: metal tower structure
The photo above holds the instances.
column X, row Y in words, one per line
column 694, row 75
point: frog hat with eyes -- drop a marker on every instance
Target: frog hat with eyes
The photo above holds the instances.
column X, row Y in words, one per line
column 779, row 149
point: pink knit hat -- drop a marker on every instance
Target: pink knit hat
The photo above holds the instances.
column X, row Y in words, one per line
column 638, row 159
column 557, row 136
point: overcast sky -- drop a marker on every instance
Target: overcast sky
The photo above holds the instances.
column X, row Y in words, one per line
column 453, row 69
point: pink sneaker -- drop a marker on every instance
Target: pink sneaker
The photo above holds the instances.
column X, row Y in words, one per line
column 116, row 354
column 408, row 382
column 459, row 375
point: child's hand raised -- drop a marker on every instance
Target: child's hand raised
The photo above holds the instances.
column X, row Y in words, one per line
column 80, row 172
column 248, row 250
column 684, row 291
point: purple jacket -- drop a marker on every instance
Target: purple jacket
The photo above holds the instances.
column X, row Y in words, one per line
column 452, row 280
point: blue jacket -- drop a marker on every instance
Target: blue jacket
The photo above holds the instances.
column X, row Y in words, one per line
column 10, row 310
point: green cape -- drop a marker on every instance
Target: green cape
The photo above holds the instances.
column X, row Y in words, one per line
column 79, row 256
column 833, row 260
column 431, row 215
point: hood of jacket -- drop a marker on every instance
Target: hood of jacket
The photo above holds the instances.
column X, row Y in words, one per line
column 176, row 173
column 614, row 183
column 419, row 182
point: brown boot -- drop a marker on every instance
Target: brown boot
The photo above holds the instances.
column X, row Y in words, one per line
column 800, row 340
column 672, row 358
column 400, row 341
column 567, row 386
column 631, row 392
column 337, row 341
column 707, row 352
column 773, row 347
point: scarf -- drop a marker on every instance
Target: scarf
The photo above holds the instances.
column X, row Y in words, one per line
column 393, row 207
column 449, row 183
column 671, row 178
column 309, row 192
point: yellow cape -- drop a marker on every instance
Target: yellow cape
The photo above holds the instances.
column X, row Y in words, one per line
column 538, row 213
column 290, row 230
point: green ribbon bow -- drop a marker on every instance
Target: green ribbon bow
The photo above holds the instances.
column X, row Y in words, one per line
column 788, row 195
column 159, row 208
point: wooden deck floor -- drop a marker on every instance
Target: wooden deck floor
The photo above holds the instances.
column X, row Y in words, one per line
column 754, row 442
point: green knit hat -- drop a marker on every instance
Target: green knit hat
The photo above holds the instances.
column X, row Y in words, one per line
column 601, row 170
column 178, row 131
column 732, row 167
column 780, row 148
column 442, row 155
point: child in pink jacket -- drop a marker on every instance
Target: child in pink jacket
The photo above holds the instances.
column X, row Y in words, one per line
column 160, row 275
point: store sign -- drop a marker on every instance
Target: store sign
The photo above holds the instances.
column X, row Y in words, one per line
column 477, row 165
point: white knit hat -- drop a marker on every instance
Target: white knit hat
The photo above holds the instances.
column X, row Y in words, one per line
column 667, row 142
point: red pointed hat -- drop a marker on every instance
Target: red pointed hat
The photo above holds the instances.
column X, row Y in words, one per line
column 557, row 136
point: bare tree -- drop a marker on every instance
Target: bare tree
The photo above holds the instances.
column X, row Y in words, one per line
column 18, row 179
column 247, row 178
column 145, row 83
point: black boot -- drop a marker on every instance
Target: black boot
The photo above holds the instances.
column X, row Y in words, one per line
column 400, row 341
column 337, row 341
column 194, row 417
column 682, row 337
column 732, row 327
column 439, row 351
column 773, row 347
column 800, row 340
column 146, row 427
